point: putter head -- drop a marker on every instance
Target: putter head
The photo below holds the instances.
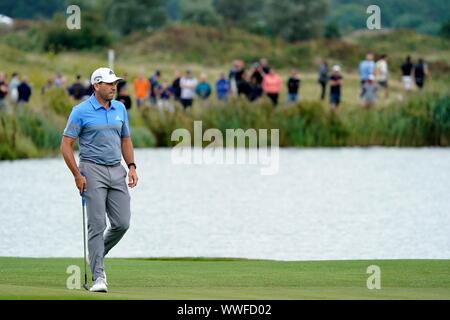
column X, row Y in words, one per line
column 85, row 285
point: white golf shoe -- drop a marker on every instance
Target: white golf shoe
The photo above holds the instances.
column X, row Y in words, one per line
column 99, row 285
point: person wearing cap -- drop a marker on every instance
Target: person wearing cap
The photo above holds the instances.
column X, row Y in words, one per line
column 101, row 125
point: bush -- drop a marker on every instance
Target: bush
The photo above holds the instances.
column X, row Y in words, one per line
column 423, row 120
column 14, row 145
column 445, row 30
column 25, row 40
column 93, row 34
column 142, row 138
column 332, row 31
column 45, row 135
column 309, row 124
column 440, row 110
column 420, row 121
column 58, row 101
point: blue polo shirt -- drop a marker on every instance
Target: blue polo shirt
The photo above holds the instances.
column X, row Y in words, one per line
column 100, row 131
column 366, row 68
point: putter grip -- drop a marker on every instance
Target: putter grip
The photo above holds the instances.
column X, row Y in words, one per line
column 83, row 194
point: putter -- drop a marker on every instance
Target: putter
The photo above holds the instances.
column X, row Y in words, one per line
column 83, row 204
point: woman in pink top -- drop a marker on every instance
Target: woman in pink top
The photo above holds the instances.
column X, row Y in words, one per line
column 272, row 86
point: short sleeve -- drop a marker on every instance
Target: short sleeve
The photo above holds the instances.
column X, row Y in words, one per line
column 74, row 125
column 126, row 126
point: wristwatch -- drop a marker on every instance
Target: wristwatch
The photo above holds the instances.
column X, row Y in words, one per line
column 132, row 164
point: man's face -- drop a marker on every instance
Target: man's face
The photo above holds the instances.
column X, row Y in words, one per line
column 107, row 91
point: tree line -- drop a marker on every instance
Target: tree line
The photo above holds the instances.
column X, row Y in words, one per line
column 292, row 20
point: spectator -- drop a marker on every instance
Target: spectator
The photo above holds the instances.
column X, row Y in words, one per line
column 88, row 89
column 407, row 69
column 382, row 74
column 323, row 78
column 293, row 86
column 257, row 74
column 12, row 88
column 155, row 87
column 77, row 90
column 370, row 92
column 122, row 83
column 335, row 87
column 60, row 81
column 264, row 65
column 420, row 73
column 232, row 77
column 166, row 94
column 141, row 90
column 48, row 85
column 272, row 86
column 176, row 88
column 188, row 85
column 247, row 89
column 124, row 97
column 24, row 90
column 203, row 89
column 223, row 88
column 253, row 90
column 3, row 91
column 366, row 68
column 239, row 78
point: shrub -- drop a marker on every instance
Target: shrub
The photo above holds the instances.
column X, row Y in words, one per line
column 44, row 134
column 143, row 138
column 14, row 144
column 58, row 101
column 422, row 120
column 93, row 34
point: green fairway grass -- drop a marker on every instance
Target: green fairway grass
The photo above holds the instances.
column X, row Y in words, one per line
column 229, row 279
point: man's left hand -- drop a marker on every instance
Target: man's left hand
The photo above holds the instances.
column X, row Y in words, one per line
column 132, row 178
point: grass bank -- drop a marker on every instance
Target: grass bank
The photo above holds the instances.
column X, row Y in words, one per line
column 229, row 279
column 422, row 120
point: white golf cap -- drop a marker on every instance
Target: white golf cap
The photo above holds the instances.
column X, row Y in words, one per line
column 104, row 75
column 336, row 68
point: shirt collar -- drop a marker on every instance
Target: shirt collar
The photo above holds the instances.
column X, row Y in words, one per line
column 94, row 102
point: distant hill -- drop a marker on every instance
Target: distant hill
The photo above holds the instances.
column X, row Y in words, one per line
column 423, row 16
column 216, row 47
column 31, row 9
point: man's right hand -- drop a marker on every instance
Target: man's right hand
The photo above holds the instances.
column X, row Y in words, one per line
column 81, row 183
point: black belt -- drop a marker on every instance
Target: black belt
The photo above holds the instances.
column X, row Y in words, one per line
column 100, row 164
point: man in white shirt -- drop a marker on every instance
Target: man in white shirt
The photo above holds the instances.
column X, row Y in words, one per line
column 382, row 74
column 188, row 85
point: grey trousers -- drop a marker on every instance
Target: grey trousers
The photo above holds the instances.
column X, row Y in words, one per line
column 106, row 195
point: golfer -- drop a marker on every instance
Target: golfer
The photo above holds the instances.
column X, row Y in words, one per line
column 101, row 125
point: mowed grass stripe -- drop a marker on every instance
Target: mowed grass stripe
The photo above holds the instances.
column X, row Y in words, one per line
column 204, row 278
